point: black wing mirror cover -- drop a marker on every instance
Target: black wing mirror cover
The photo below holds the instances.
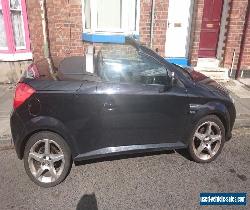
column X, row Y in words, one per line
column 173, row 79
column 170, row 82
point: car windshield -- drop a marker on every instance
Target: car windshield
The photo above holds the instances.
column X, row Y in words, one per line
column 125, row 63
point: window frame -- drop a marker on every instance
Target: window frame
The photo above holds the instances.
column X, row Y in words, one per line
column 11, row 48
column 93, row 21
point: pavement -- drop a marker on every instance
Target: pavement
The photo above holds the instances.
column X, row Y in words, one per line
column 241, row 95
column 166, row 180
column 6, row 96
column 245, row 81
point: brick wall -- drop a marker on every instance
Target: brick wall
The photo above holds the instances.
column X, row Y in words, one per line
column 35, row 28
column 235, row 30
column 160, row 24
column 65, row 40
column 65, row 28
column 195, row 31
column 145, row 18
column 64, row 24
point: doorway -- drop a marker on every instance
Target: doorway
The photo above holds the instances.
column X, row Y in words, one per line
column 210, row 28
column 178, row 30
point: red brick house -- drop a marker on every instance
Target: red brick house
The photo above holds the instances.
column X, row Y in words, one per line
column 206, row 33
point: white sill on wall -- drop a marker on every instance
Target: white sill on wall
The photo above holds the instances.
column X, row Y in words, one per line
column 107, row 37
column 16, row 56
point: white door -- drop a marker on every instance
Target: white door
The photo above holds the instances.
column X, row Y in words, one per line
column 178, row 28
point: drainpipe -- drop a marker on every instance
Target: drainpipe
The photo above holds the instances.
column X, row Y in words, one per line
column 232, row 64
column 243, row 40
column 152, row 23
column 46, row 52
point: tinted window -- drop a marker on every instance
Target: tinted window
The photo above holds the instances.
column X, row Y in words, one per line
column 124, row 64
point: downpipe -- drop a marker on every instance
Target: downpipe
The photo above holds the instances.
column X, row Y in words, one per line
column 243, row 40
column 152, row 23
column 45, row 38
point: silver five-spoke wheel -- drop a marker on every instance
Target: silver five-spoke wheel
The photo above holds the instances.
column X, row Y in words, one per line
column 207, row 140
column 46, row 160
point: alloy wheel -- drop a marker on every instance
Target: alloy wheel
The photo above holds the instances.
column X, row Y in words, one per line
column 207, row 140
column 46, row 160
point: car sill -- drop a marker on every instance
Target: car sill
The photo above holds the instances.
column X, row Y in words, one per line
column 112, row 151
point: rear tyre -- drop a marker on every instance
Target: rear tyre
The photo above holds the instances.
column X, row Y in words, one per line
column 207, row 139
column 47, row 159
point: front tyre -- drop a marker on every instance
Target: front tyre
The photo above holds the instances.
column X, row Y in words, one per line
column 207, row 139
column 47, row 159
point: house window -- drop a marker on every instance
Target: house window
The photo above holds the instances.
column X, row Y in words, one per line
column 14, row 35
column 3, row 40
column 113, row 16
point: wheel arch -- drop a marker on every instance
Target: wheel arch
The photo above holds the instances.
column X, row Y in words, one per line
column 212, row 108
column 222, row 119
column 50, row 125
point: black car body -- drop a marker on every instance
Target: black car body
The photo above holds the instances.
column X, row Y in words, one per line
column 100, row 117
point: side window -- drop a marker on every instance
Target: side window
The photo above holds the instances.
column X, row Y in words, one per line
column 124, row 64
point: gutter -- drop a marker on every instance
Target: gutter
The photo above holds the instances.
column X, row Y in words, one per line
column 243, row 40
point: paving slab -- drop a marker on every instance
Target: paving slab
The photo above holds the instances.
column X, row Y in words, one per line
column 238, row 88
column 241, row 95
column 6, row 96
column 245, row 81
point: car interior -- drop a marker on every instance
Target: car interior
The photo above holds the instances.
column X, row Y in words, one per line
column 112, row 66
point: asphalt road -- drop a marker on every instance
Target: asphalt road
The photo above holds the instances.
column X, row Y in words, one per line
column 157, row 181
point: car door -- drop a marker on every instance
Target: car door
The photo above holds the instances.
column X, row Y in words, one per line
column 131, row 105
column 139, row 108
column 146, row 114
column 114, row 115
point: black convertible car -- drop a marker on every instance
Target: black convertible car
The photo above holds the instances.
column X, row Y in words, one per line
column 131, row 101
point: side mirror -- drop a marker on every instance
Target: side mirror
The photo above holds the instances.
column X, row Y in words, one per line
column 172, row 79
column 170, row 82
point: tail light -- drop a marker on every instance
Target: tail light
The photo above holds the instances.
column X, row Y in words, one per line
column 22, row 93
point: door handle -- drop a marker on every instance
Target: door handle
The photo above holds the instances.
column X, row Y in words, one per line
column 109, row 106
column 76, row 95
